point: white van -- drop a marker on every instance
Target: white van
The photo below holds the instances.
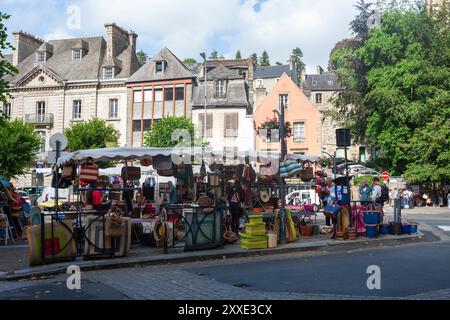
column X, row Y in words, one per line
column 49, row 195
column 302, row 197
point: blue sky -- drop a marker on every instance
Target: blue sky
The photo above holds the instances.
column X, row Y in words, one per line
column 189, row 27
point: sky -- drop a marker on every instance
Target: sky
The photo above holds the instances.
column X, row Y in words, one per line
column 189, row 27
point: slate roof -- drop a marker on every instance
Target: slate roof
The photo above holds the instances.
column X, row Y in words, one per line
column 326, row 81
column 272, row 72
column 195, row 68
column 229, row 63
column 236, row 95
column 175, row 69
column 223, row 73
column 88, row 68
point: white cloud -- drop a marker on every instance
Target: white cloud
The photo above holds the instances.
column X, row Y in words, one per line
column 189, row 27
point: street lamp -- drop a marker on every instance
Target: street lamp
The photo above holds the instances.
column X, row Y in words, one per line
column 280, row 114
column 203, row 55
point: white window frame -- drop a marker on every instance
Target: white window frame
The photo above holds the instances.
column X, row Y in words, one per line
column 75, row 56
column 219, row 88
column 259, row 83
column 283, row 101
column 105, row 73
column 38, row 57
column 301, row 138
column 163, row 64
column 76, row 109
column 113, row 108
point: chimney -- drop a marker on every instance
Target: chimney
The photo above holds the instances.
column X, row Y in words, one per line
column 117, row 40
column 319, row 70
column 132, row 40
column 260, row 96
column 25, row 44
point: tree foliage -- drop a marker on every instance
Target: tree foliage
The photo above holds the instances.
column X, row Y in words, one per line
column 238, row 54
column 214, row 55
column 397, row 92
column 189, row 61
column 264, row 60
column 297, row 54
column 92, row 134
column 19, row 147
column 163, row 133
column 6, row 68
column 142, row 57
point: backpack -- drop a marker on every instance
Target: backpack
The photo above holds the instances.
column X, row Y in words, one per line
column 384, row 193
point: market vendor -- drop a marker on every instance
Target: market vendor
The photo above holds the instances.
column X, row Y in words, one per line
column 364, row 192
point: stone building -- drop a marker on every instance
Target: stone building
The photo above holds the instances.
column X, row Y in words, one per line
column 321, row 88
column 163, row 86
column 61, row 82
column 229, row 125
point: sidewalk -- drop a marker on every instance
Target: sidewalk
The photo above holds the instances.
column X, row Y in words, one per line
column 14, row 260
column 420, row 210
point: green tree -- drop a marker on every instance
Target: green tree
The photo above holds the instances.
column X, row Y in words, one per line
column 142, row 57
column 264, row 61
column 19, row 147
column 161, row 134
column 189, row 61
column 238, row 54
column 397, row 93
column 214, row 55
column 92, row 134
column 297, row 55
column 6, row 68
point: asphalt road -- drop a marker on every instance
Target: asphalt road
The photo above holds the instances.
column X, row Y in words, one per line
column 405, row 271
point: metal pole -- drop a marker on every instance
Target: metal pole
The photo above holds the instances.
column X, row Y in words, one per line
column 282, row 181
column 206, row 112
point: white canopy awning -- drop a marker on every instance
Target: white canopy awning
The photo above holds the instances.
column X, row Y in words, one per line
column 128, row 153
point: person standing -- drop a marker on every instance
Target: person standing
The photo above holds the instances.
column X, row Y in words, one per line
column 364, row 192
column 235, row 198
column 329, row 198
column 448, row 199
column 375, row 195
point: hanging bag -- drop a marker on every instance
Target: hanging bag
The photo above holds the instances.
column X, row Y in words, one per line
column 307, row 173
column 131, row 173
column 89, row 173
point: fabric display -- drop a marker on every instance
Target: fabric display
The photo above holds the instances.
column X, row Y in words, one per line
column 290, row 168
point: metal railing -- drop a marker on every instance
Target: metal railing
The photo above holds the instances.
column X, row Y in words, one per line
column 37, row 118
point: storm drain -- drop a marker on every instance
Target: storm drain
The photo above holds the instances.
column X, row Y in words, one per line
column 242, row 285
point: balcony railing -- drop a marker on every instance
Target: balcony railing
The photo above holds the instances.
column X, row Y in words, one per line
column 39, row 119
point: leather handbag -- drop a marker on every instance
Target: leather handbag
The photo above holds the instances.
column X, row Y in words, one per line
column 67, row 171
column 307, row 173
column 166, row 172
column 161, row 162
column 89, row 173
column 131, row 173
column 229, row 237
column 205, row 202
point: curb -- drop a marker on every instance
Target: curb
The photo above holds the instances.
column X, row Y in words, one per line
column 176, row 258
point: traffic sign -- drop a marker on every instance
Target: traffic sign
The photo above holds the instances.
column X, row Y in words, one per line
column 385, row 176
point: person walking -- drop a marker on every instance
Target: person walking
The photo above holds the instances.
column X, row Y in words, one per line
column 329, row 198
column 364, row 192
column 235, row 197
column 375, row 195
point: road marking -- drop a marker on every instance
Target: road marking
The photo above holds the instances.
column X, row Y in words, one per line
column 445, row 228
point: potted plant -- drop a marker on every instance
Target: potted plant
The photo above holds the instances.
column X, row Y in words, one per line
column 271, row 128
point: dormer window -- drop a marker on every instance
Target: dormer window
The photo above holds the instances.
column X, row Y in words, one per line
column 77, row 54
column 40, row 57
column 160, row 66
column 220, row 89
column 108, row 73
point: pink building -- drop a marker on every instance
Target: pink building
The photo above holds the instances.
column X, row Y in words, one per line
column 299, row 111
